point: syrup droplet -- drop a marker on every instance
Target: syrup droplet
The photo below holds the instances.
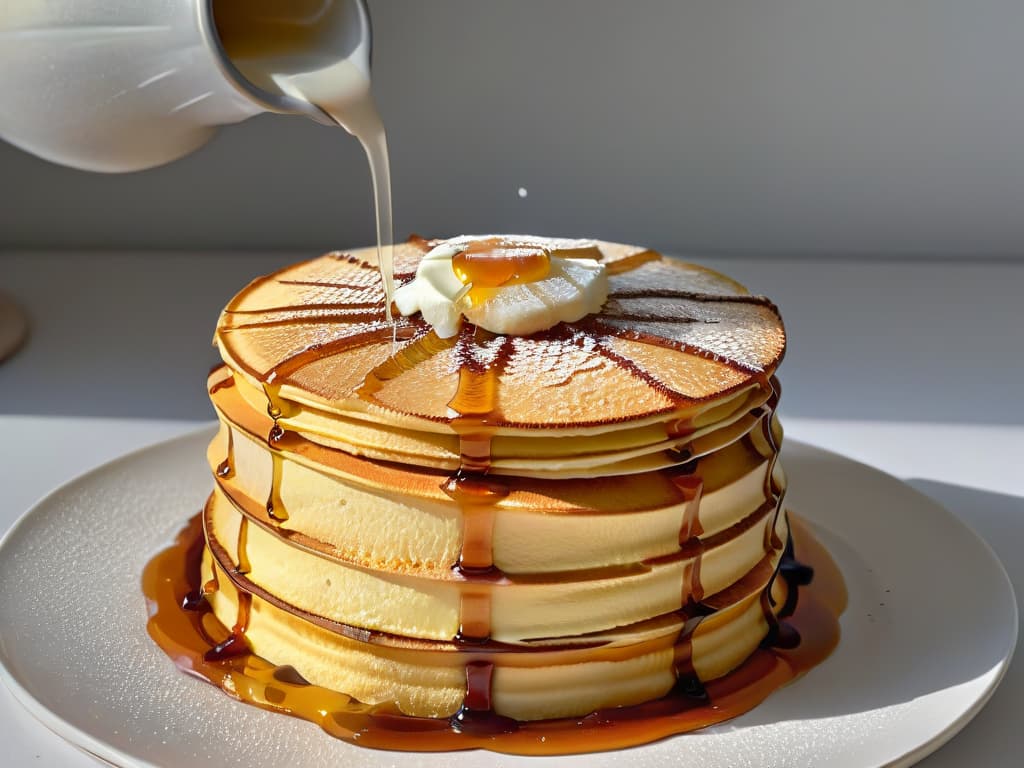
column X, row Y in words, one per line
column 476, row 716
column 226, row 468
column 691, row 488
column 243, row 566
column 683, row 650
column 275, row 506
column 693, row 589
column 236, row 644
column 467, row 487
column 193, row 601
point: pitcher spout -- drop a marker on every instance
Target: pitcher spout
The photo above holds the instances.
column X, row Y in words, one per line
column 266, row 46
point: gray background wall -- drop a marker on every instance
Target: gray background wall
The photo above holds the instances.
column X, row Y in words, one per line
column 821, row 127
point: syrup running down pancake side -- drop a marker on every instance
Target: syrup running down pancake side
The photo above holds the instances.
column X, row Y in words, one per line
column 562, row 542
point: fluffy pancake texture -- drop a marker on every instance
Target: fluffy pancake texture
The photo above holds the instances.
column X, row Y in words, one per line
column 593, row 510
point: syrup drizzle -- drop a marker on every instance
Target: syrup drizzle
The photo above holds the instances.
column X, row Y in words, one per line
column 682, row 659
column 236, row 644
column 637, row 372
column 631, row 334
column 474, row 615
column 781, row 634
column 631, row 263
column 476, row 408
column 356, row 336
column 421, row 349
column 692, row 589
column 477, row 552
column 475, row 404
column 347, row 316
column 275, row 506
column 225, row 383
column 691, row 487
column 711, row 298
column 330, row 283
column 275, row 405
column 244, row 566
column 226, row 468
column 476, row 715
column 771, row 491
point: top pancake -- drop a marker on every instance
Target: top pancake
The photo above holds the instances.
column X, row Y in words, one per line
column 674, row 340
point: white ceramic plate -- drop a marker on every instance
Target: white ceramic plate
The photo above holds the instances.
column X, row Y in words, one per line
column 928, row 634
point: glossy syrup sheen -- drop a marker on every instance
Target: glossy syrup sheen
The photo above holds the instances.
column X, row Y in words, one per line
column 184, row 627
column 494, row 262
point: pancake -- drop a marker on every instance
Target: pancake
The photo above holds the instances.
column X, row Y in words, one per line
column 430, row 519
column 315, row 336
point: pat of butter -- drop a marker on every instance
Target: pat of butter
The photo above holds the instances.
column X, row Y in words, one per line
column 572, row 289
column 436, row 292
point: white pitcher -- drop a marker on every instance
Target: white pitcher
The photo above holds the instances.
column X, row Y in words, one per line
column 122, row 85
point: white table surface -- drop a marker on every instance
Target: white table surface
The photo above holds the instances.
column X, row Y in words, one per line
column 101, row 356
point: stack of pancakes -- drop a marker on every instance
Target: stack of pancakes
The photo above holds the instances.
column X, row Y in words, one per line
column 539, row 526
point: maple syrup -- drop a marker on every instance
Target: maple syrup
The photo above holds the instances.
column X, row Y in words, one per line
column 226, row 469
column 496, row 262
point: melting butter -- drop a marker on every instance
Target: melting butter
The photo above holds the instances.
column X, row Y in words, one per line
column 522, row 285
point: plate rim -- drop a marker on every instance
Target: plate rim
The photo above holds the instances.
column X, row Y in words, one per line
column 97, row 748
